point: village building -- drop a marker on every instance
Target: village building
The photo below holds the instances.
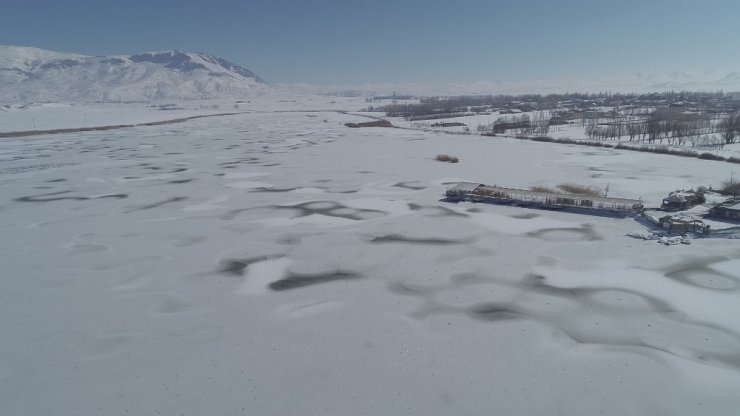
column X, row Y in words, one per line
column 729, row 210
column 682, row 200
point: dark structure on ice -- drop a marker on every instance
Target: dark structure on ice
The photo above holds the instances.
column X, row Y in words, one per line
column 476, row 192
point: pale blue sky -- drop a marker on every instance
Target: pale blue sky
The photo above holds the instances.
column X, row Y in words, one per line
column 432, row 41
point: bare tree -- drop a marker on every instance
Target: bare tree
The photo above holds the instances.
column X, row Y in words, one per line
column 731, row 186
column 730, row 127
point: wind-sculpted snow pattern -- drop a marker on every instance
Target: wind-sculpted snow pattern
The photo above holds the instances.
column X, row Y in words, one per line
column 278, row 264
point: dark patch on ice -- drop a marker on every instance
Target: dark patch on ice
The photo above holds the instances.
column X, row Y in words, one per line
column 408, row 289
column 161, row 203
column 23, row 169
column 706, row 355
column 697, row 272
column 525, row 216
column 179, row 181
column 236, row 267
column 474, row 210
column 585, row 232
column 178, row 170
column 415, row 207
column 56, row 180
column 595, row 316
column 399, row 238
column 331, row 209
column 467, row 278
column 289, row 239
column 234, row 163
column 50, row 197
column 230, row 215
column 589, row 296
column 299, row 280
column 706, row 279
column 348, row 191
column 266, row 189
column 496, row 311
column 113, row 196
column 438, row 211
column 410, row 185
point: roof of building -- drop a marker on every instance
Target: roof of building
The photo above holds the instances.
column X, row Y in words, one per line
column 732, row 206
column 674, row 198
column 553, row 195
column 464, row 187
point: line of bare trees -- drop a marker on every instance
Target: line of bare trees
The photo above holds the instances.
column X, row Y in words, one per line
column 669, row 125
column 537, row 124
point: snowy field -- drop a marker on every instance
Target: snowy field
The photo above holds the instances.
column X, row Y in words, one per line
column 52, row 116
column 575, row 130
column 283, row 264
column 65, row 116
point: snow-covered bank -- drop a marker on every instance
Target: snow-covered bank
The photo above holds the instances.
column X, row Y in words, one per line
column 54, row 116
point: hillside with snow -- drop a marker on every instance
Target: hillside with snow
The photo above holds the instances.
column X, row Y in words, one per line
column 31, row 74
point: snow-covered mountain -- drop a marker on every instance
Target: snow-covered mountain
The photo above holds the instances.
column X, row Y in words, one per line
column 31, row 74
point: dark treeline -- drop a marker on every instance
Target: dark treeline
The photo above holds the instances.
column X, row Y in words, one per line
column 667, row 124
column 708, row 102
column 703, row 119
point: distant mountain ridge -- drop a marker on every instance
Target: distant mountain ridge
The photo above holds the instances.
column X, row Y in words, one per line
column 31, row 74
column 707, row 80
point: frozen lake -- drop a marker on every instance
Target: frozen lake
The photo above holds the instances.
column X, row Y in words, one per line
column 279, row 263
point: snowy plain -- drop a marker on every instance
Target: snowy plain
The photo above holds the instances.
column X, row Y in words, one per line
column 53, row 116
column 280, row 263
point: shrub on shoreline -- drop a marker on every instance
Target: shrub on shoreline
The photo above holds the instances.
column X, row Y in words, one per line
column 711, row 156
column 446, row 158
column 663, row 150
column 375, row 123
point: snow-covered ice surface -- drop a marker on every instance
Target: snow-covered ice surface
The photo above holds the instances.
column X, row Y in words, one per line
column 52, row 116
column 283, row 264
